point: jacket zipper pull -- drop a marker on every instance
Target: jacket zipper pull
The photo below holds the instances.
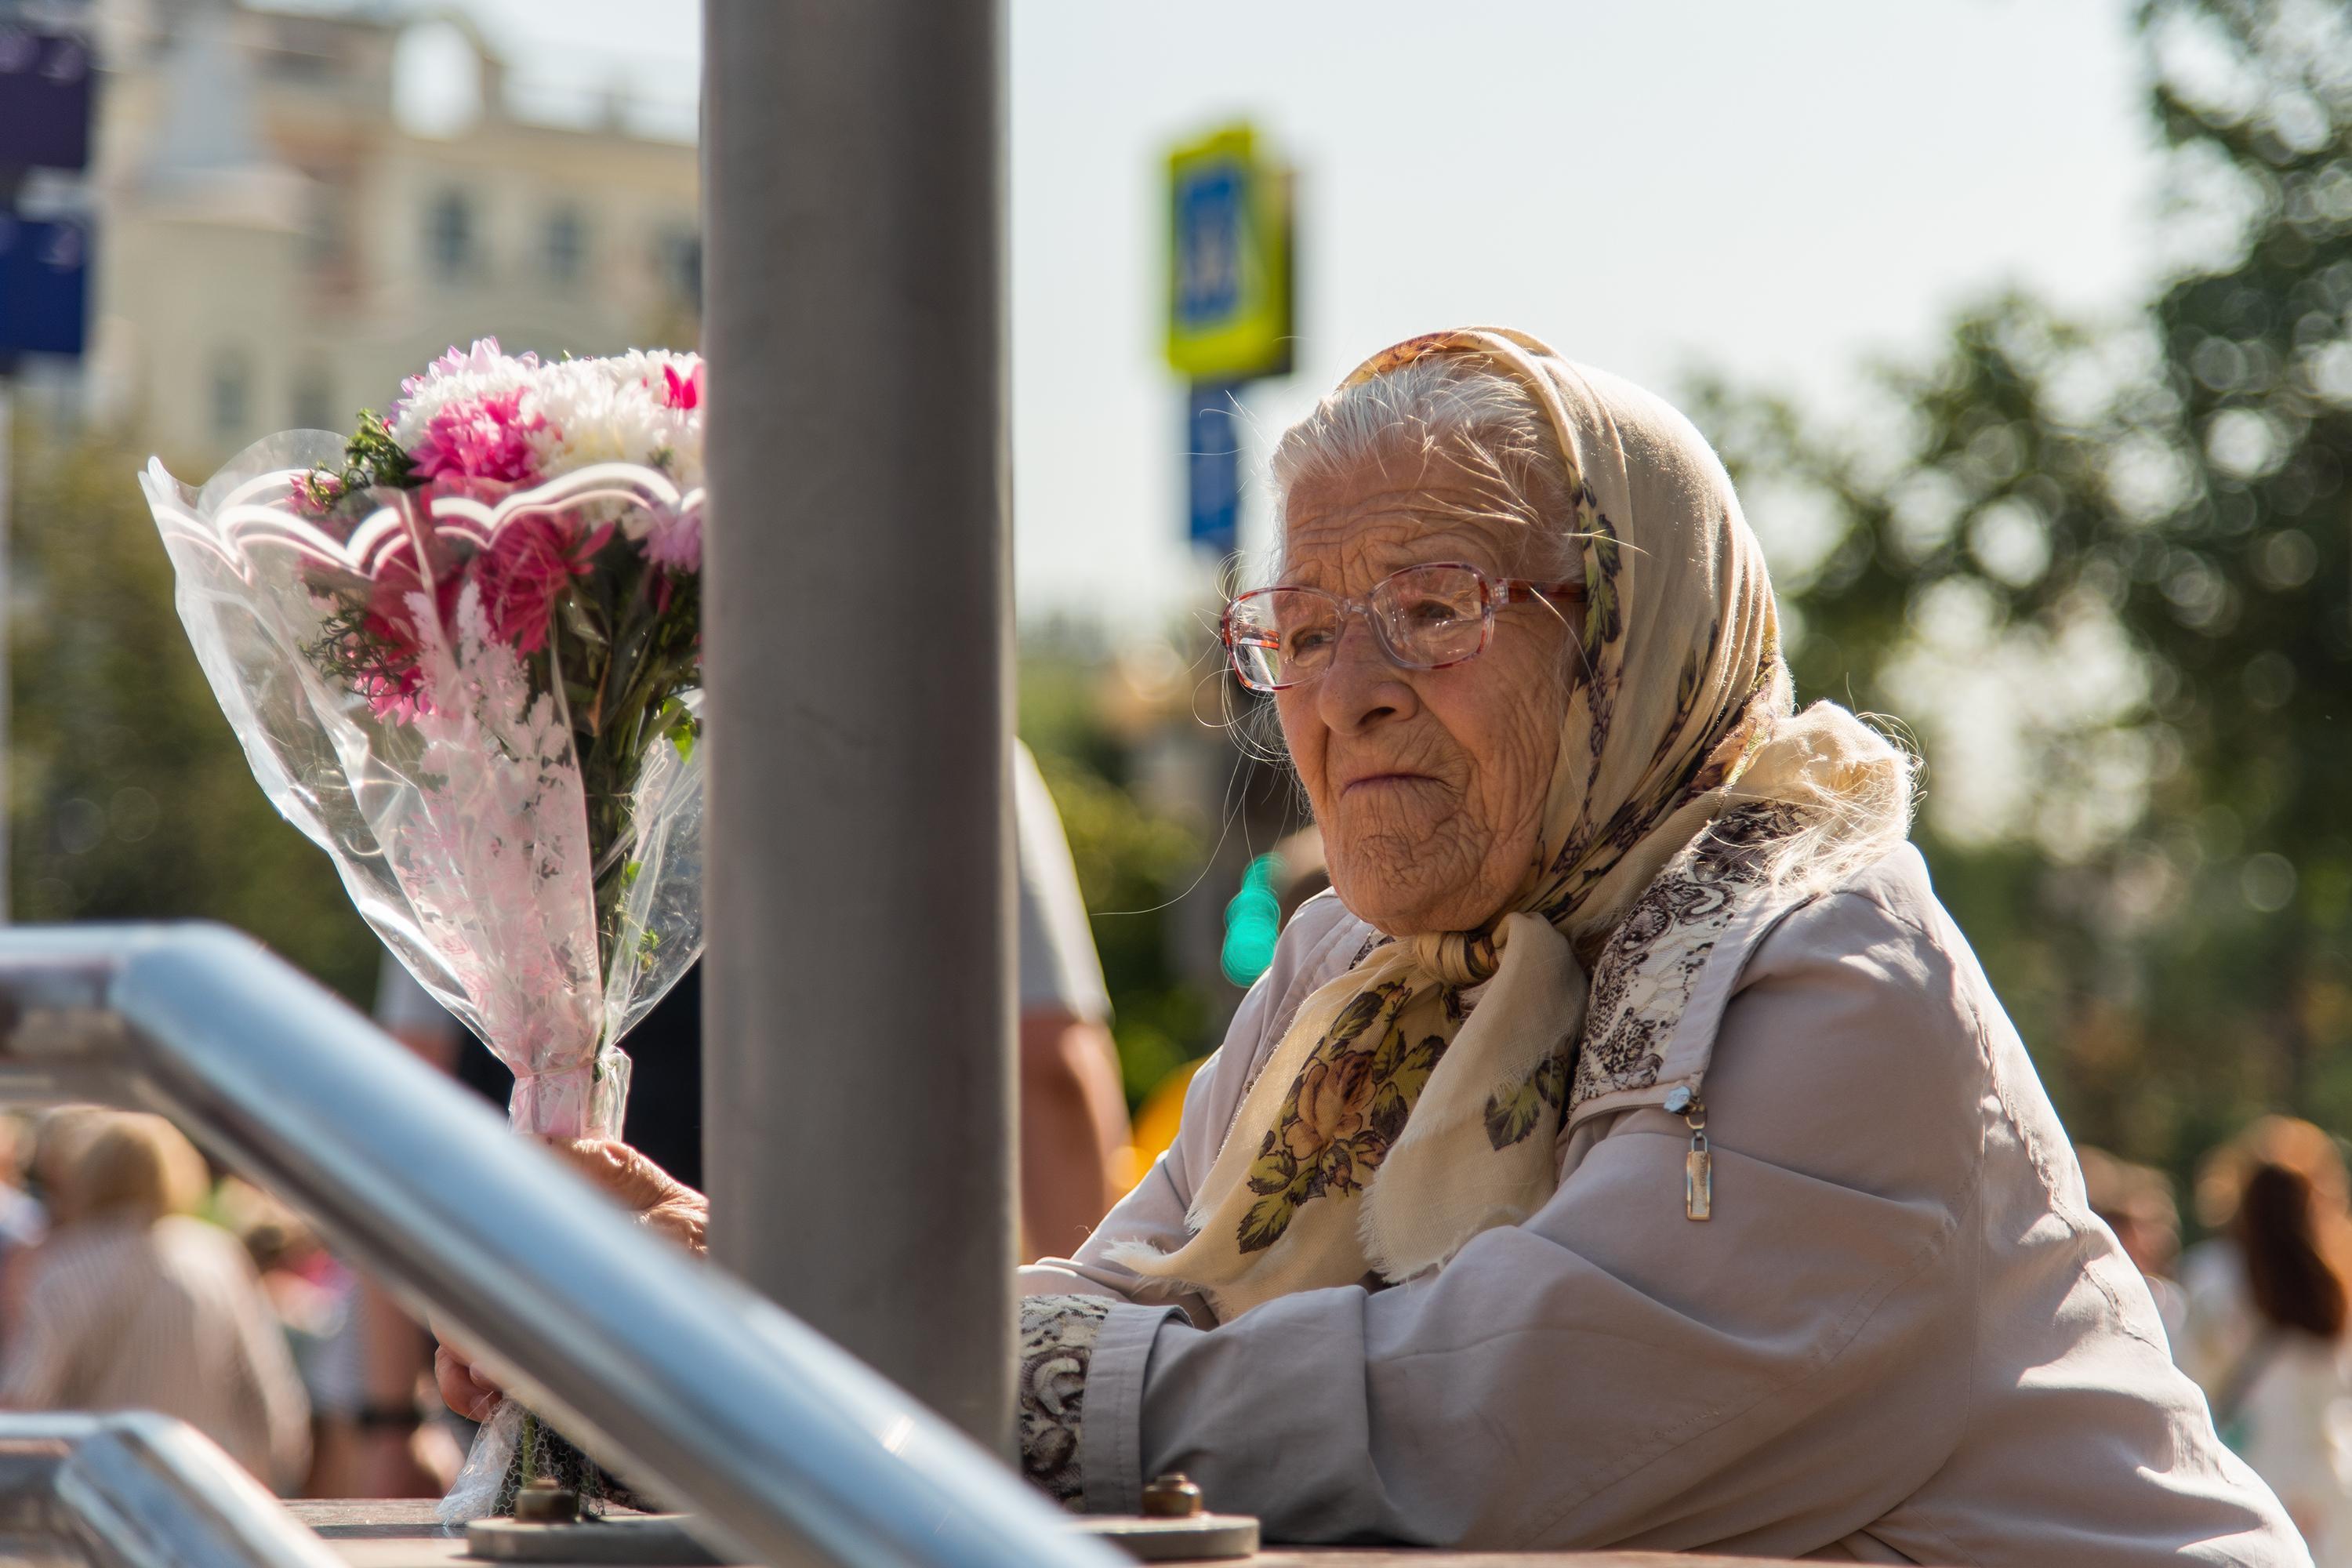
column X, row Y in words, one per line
column 1699, row 1166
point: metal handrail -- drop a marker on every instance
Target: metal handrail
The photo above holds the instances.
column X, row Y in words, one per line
column 132, row 1489
column 660, row 1367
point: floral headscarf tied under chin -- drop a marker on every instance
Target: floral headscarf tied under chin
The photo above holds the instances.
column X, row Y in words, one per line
column 1398, row 1117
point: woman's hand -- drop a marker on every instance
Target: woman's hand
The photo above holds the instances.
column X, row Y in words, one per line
column 660, row 1201
column 464, row 1387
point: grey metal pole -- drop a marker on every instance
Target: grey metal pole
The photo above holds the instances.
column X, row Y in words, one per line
column 858, row 1112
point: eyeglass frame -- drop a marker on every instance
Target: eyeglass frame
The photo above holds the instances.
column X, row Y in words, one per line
column 1493, row 594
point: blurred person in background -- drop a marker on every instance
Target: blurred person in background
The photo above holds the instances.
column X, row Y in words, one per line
column 2136, row 1202
column 361, row 1445
column 1074, row 1123
column 56, row 1142
column 23, row 1221
column 135, row 1304
column 2267, row 1312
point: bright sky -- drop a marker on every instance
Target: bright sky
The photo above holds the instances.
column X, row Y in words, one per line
column 1778, row 190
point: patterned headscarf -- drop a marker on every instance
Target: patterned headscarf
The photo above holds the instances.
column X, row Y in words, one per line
column 1394, row 1121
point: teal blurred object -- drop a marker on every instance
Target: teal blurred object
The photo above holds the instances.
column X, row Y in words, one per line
column 1253, row 920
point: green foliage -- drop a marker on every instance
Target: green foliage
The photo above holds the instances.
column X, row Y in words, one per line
column 1132, row 861
column 129, row 797
column 2164, row 903
column 370, row 458
column 2260, row 362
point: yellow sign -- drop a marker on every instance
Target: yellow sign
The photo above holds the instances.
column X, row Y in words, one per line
column 1229, row 280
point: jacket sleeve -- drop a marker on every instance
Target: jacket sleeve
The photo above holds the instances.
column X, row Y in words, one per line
column 1611, row 1373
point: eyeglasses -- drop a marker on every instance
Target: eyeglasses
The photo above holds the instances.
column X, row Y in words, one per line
column 1424, row 617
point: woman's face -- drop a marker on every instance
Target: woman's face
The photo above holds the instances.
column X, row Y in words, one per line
column 1428, row 785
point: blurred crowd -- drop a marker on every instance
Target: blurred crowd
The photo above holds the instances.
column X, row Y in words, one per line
column 133, row 1276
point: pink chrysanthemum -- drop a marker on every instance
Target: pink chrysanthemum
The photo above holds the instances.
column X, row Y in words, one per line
column 526, row 567
column 486, row 438
column 314, row 494
column 675, row 540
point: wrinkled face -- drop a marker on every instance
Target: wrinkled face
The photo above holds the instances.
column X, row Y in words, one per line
column 1428, row 785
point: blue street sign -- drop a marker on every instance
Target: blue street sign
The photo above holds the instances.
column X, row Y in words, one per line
column 44, row 286
column 1212, row 438
column 45, row 98
column 1211, row 226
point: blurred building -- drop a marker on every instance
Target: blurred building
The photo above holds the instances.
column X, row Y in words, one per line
column 276, row 248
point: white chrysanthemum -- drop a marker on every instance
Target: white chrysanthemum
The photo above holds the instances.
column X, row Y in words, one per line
column 484, row 371
column 617, row 410
column 621, row 408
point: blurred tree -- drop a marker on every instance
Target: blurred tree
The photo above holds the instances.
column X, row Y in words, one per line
column 1133, row 860
column 129, row 797
column 2255, row 99
column 2105, row 573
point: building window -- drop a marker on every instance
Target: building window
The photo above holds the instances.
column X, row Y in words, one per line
column 449, row 234
column 323, row 225
column 567, row 244
column 232, row 395
column 300, row 67
column 677, row 254
column 314, row 401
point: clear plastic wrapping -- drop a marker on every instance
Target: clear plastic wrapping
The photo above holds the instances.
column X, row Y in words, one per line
column 455, row 815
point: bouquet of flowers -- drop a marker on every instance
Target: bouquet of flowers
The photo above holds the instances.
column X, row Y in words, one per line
column 462, row 651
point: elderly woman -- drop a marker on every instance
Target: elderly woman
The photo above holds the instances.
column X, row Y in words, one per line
column 1627, row 1150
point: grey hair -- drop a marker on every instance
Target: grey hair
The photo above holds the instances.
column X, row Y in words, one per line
column 1477, row 426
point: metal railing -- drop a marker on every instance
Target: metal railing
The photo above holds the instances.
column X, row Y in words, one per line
column 133, row 1491
column 665, row 1369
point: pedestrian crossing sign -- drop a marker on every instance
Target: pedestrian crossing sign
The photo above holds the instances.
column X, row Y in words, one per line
column 1229, row 276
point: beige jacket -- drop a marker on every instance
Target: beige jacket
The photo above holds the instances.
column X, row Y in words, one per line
column 123, row 1315
column 1901, row 1337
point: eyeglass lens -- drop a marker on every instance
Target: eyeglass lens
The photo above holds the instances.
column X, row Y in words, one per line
column 1424, row 617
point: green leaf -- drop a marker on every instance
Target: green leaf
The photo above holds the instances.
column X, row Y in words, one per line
column 1273, row 1170
column 1551, row 1080
column 1415, row 1065
column 573, row 610
column 681, row 726
column 1356, row 1016
column 1511, row 1117
column 1264, row 1222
